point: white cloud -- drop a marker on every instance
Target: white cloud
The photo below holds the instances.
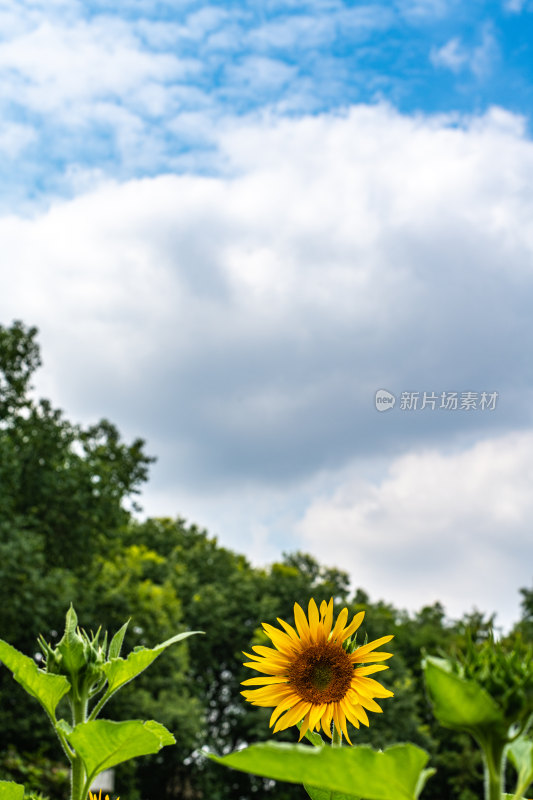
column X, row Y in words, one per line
column 515, row 6
column 423, row 10
column 257, row 73
column 486, row 54
column 480, row 59
column 53, row 66
column 451, row 55
column 453, row 527
column 328, row 223
column 293, row 31
column 14, row 138
column 242, row 324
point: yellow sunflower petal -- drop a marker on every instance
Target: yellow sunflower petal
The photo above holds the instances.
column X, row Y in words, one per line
column 264, row 681
column 267, row 695
column 326, row 613
column 305, row 726
column 360, row 713
column 281, row 707
column 279, row 639
column 269, row 669
column 302, row 626
column 342, row 720
column 371, row 657
column 339, row 625
column 316, row 714
column 290, row 630
column 271, row 655
column 314, row 619
column 367, row 648
column 369, row 670
column 292, row 716
column 372, row 688
column 336, row 718
column 370, row 705
column 349, row 715
column 353, row 626
column 326, row 720
column 251, row 655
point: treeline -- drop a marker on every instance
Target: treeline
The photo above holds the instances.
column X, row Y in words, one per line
column 66, row 536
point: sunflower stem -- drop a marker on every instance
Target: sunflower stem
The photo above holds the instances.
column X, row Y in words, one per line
column 493, row 762
column 336, row 737
column 79, row 715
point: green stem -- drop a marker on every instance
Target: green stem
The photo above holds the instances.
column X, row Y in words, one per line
column 336, row 737
column 77, row 779
column 77, row 775
column 493, row 767
column 99, row 706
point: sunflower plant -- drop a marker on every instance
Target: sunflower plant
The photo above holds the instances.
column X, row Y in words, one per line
column 317, row 678
column 87, row 672
column 487, row 691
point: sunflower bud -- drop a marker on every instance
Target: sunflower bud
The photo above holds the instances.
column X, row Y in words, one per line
column 505, row 673
column 77, row 656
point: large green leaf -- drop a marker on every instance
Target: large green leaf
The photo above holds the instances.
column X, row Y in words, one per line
column 102, row 744
column 327, row 794
column 520, row 755
column 395, row 774
column 46, row 688
column 11, row 791
column 459, row 703
column 120, row 671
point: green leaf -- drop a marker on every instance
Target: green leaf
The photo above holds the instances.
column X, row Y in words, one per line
column 520, row 754
column 116, row 642
column 102, row 744
column 326, row 794
column 315, row 738
column 11, row 791
column 423, row 778
column 459, row 703
column 120, row 671
column 46, row 688
column 393, row 774
column 512, row 797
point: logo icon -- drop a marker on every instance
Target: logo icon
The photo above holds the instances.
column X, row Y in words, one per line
column 384, row 400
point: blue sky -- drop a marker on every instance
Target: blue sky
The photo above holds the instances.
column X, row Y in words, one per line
column 140, row 91
column 233, row 223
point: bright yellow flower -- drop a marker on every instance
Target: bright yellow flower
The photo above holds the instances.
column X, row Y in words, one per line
column 312, row 677
column 99, row 796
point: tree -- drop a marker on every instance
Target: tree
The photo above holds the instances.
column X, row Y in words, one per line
column 525, row 626
column 64, row 491
column 68, row 483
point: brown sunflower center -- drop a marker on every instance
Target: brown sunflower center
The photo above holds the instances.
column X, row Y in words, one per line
column 321, row 673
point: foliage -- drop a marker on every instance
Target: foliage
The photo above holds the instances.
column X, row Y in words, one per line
column 38, row 773
column 63, row 481
column 80, row 668
column 488, row 694
column 398, row 773
column 11, row 791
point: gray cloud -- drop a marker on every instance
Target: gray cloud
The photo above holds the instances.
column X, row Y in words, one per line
column 243, row 323
column 252, row 318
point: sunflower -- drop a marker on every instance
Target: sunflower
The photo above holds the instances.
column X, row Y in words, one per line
column 314, row 673
column 99, row 796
